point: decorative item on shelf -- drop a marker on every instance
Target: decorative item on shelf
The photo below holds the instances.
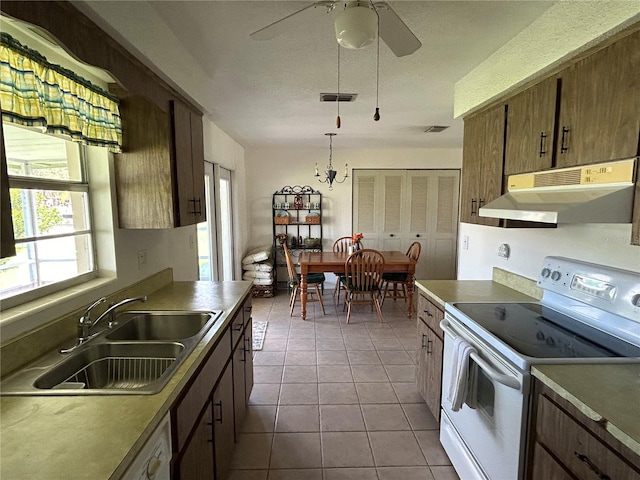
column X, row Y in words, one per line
column 282, row 218
column 298, row 202
column 312, row 243
column 313, row 218
column 282, row 238
column 330, row 173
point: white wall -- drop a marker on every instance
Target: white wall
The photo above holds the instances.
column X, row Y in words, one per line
column 270, row 169
column 606, row 244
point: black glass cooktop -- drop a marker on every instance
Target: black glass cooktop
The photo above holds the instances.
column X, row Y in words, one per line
column 538, row 331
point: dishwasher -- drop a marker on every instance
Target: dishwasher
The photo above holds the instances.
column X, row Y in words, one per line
column 153, row 462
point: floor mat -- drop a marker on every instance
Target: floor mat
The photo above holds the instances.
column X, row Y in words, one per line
column 259, row 330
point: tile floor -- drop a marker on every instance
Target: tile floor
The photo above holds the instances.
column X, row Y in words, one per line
column 333, row 401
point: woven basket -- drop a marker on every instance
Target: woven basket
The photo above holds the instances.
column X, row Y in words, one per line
column 312, row 219
column 281, row 220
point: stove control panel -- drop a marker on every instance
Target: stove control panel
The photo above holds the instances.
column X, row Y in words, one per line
column 611, row 289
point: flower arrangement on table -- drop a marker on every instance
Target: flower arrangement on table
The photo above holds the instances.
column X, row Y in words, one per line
column 355, row 238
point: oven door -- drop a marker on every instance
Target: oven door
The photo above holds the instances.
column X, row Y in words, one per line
column 485, row 442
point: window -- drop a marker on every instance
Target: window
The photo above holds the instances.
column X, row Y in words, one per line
column 51, row 215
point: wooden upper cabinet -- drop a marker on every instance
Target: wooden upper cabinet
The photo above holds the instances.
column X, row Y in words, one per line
column 530, row 124
column 599, row 116
column 483, row 150
column 7, row 241
column 160, row 174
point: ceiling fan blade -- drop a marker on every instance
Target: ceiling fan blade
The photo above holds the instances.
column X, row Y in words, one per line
column 315, row 10
column 395, row 33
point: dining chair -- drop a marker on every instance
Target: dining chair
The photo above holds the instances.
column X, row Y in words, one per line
column 363, row 280
column 398, row 280
column 313, row 280
column 339, row 246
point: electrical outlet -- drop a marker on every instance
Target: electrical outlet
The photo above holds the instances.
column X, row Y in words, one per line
column 192, row 242
column 465, row 242
column 142, row 258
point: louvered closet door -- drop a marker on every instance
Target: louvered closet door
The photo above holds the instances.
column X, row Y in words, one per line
column 394, row 208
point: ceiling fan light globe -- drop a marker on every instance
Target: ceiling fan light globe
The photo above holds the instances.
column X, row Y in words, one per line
column 356, row 27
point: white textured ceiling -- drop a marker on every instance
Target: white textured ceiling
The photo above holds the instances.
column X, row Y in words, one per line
column 267, row 93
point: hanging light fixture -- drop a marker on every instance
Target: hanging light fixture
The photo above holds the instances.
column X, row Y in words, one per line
column 356, row 27
column 330, row 173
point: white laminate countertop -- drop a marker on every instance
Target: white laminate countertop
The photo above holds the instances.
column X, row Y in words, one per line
column 97, row 437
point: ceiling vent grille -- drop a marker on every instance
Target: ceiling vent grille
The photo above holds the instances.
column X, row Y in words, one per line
column 436, row 128
column 342, row 97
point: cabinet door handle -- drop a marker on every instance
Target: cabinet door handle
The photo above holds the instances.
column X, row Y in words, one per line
column 429, row 314
column 543, row 137
column 592, row 467
column 238, row 328
column 417, row 235
column 193, row 201
column 429, row 347
column 247, row 345
column 199, row 209
column 480, row 203
column 473, row 206
column 564, row 140
column 219, row 405
column 423, row 339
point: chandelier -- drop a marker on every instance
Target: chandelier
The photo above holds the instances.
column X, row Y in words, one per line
column 330, row 173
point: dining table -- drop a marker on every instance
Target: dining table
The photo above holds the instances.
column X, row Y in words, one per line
column 333, row 262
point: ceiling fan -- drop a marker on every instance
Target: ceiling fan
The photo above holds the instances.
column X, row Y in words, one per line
column 356, row 25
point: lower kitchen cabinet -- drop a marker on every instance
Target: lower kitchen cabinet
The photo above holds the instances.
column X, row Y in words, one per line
column 239, row 395
column 248, row 364
column 567, row 444
column 223, row 423
column 429, row 354
column 197, row 457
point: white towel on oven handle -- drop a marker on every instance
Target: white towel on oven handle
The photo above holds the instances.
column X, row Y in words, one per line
column 459, row 381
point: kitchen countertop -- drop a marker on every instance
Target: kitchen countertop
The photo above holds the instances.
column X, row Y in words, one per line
column 615, row 403
column 97, row 437
column 449, row 291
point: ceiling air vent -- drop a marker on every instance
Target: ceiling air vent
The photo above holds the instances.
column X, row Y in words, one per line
column 436, row 128
column 342, row 97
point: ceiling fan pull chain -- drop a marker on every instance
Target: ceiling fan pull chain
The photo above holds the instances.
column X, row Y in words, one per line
column 338, row 96
column 376, row 116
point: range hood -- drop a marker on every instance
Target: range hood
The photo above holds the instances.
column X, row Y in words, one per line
column 601, row 193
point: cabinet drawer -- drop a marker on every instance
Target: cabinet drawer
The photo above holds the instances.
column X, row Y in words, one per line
column 190, row 406
column 237, row 327
column 545, row 466
column 583, row 454
column 430, row 314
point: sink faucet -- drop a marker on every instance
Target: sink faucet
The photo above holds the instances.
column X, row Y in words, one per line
column 85, row 324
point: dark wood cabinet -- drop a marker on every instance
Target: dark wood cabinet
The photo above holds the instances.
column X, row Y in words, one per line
column 483, row 150
column 239, row 394
column 429, row 354
column 160, row 174
column 599, row 109
column 248, row 363
column 530, row 128
column 223, row 423
column 196, row 461
column 566, row 443
column 7, row 240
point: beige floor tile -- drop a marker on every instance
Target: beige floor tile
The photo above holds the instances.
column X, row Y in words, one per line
column 297, row 418
column 331, row 343
column 274, row 344
column 359, row 343
column 401, row 373
column 369, row 373
column 404, row 473
column 299, row 357
column 332, row 357
column 248, row 475
column 334, row 374
column 299, row 394
column 444, row 473
column 252, row 451
column 346, row 449
column 363, row 357
column 296, row 474
column 337, row 393
column 259, row 419
column 387, row 344
column 429, row 441
column 396, row 449
column 296, row 450
column 350, row 474
column 305, row 344
column 420, row 416
column 300, row 374
column 268, row 358
column 264, row 394
column 341, row 418
column 407, row 392
column 386, row 417
column 394, row 357
column 376, row 393
column 267, row 373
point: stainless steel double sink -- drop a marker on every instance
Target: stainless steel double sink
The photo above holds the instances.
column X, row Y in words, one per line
column 138, row 355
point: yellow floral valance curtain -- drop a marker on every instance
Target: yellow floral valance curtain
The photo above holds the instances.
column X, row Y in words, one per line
column 34, row 92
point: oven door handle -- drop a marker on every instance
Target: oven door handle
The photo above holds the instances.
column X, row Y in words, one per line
column 506, row 380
